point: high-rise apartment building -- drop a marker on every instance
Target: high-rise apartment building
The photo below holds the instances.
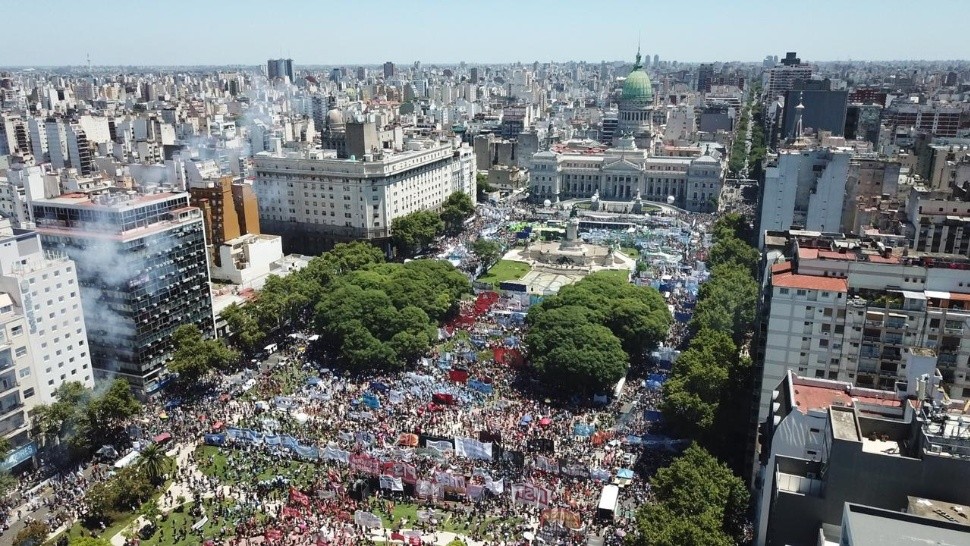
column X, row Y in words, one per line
column 388, row 69
column 17, row 383
column 804, row 189
column 228, row 210
column 79, row 149
column 280, row 69
column 313, row 200
column 44, row 285
column 141, row 265
column 705, row 74
column 781, row 78
column 846, row 308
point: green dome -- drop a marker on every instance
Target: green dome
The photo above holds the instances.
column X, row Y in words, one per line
column 637, row 85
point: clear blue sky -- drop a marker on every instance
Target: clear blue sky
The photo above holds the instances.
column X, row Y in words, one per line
column 113, row 32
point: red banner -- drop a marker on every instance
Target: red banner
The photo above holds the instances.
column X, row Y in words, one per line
column 365, row 464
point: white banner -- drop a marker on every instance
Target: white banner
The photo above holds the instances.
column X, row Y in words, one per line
column 473, row 449
column 368, row 519
column 392, row 483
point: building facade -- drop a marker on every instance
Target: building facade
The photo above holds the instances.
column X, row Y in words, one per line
column 314, row 201
column 142, row 269
column 44, row 286
column 830, row 443
column 845, row 309
column 228, row 210
column 804, row 189
column 624, row 173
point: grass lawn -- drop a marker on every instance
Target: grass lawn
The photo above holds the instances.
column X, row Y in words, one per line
column 300, row 474
column 505, row 270
column 621, row 274
column 631, row 251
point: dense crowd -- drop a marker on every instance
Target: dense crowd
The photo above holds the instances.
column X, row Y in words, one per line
column 261, row 493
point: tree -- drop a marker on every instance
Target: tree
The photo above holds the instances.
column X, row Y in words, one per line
column 698, row 501
column 244, row 327
column 195, row 356
column 414, row 231
column 455, row 209
column 482, row 186
column 154, row 463
column 487, row 251
column 637, row 316
column 113, row 407
column 33, row 534
column 578, row 357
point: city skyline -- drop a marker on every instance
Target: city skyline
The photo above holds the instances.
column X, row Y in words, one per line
column 541, row 31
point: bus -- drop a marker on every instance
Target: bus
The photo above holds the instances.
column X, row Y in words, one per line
column 608, row 500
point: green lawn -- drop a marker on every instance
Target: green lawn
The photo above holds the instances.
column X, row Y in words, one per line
column 621, row 274
column 505, row 270
column 630, row 251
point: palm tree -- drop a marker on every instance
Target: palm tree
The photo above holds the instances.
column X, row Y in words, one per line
column 154, row 462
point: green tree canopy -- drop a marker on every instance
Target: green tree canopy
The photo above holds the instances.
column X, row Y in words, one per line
column 637, row 316
column 245, row 329
column 578, row 357
column 196, row 356
column 487, row 251
column 415, row 231
column 455, row 209
column 385, row 316
column 698, row 501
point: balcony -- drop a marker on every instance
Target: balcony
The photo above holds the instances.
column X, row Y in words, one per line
column 946, row 359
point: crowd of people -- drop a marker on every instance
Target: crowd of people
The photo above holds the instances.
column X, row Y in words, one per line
column 567, row 449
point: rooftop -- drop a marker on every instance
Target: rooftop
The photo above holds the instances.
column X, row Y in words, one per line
column 869, row 526
column 820, row 394
column 110, row 201
column 782, row 276
column 938, row 510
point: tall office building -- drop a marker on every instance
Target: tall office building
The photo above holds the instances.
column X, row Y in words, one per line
column 388, row 69
column 280, row 69
column 228, row 211
column 781, row 78
column 141, row 265
column 705, row 75
column 823, row 109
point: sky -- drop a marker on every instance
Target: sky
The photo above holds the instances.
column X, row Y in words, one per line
column 352, row 32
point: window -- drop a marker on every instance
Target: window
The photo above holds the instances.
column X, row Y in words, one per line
column 30, row 392
column 799, row 292
column 21, row 351
column 23, row 372
column 19, row 331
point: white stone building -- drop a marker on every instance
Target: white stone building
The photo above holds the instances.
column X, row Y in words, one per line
column 313, row 199
column 44, row 285
column 624, row 172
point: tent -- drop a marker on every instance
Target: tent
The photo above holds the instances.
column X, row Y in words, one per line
column 525, row 420
column 545, row 422
column 162, row 438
